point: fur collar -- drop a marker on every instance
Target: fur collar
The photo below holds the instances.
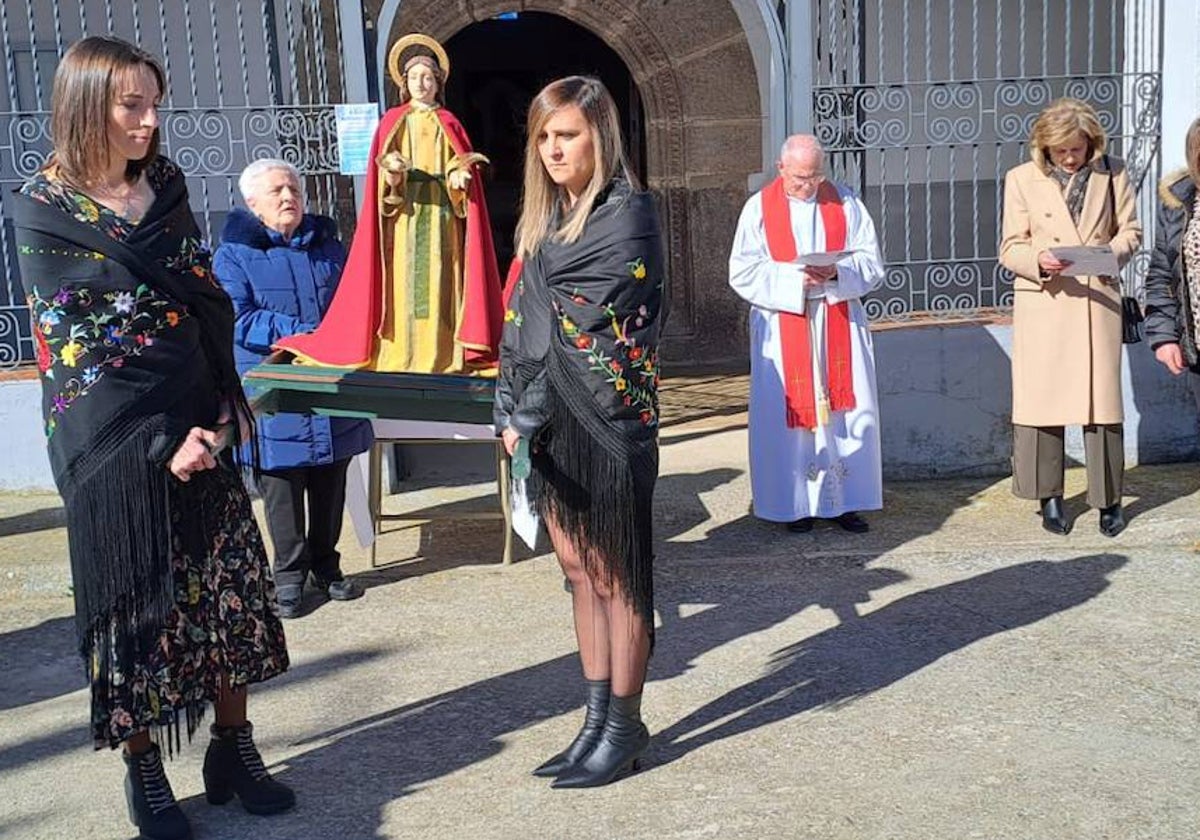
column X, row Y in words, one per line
column 244, row 228
column 1176, row 188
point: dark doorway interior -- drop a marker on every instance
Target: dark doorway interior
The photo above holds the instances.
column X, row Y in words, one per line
column 496, row 68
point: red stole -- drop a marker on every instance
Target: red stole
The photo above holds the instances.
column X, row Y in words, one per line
column 346, row 335
column 795, row 343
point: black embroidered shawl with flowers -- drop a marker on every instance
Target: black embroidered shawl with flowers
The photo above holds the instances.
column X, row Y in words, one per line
column 135, row 347
column 579, row 376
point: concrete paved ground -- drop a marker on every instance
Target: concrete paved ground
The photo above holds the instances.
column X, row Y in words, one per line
column 956, row 673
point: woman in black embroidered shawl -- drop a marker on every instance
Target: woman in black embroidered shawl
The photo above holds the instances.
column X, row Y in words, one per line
column 175, row 606
column 578, row 380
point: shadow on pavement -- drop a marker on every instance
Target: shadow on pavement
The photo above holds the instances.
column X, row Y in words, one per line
column 43, row 519
column 39, row 662
column 1144, row 490
column 447, row 544
column 377, row 760
column 866, row 654
column 74, row 736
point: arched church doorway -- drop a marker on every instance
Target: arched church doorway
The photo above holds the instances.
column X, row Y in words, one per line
column 497, row 66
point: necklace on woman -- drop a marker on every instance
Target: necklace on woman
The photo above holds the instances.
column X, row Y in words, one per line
column 129, row 203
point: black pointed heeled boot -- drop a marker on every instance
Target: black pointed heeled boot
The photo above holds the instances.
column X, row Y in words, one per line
column 1054, row 519
column 152, row 805
column 593, row 724
column 232, row 766
column 1112, row 520
column 616, row 754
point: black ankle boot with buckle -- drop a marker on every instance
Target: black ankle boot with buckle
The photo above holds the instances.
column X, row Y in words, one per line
column 616, row 754
column 152, row 805
column 232, row 766
column 593, row 725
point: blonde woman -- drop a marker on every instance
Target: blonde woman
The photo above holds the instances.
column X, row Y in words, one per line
column 578, row 383
column 1066, row 365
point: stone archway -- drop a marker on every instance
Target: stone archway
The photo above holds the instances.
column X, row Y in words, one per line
column 704, row 126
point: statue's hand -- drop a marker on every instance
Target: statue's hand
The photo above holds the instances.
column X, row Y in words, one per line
column 394, row 162
column 458, row 179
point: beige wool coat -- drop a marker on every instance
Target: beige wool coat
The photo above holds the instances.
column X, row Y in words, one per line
column 1066, row 360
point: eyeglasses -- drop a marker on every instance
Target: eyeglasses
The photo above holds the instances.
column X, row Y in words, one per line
column 804, row 179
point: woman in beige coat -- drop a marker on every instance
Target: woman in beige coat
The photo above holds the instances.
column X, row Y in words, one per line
column 1066, row 361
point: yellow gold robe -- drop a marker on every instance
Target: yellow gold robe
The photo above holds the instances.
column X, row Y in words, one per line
column 422, row 255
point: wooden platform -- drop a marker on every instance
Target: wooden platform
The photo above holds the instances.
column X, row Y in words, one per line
column 278, row 385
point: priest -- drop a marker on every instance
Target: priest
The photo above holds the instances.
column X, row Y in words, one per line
column 804, row 254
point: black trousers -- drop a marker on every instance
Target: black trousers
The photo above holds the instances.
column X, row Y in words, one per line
column 298, row 552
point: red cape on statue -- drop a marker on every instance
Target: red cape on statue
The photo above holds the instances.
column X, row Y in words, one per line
column 347, row 333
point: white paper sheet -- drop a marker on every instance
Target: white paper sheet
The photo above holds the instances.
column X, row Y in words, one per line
column 821, row 258
column 524, row 518
column 1088, row 261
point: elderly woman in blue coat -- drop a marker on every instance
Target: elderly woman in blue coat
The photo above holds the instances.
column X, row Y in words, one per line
column 280, row 266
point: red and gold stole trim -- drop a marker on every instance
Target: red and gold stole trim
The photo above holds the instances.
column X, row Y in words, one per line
column 796, row 346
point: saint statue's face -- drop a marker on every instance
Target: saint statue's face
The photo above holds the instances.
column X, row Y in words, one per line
column 277, row 201
column 567, row 151
column 801, row 173
column 1072, row 154
column 422, row 84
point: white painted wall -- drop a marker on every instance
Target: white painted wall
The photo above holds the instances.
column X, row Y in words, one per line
column 23, row 461
column 1181, row 77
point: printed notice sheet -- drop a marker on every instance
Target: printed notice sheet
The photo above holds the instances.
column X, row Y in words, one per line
column 1088, row 261
column 356, row 124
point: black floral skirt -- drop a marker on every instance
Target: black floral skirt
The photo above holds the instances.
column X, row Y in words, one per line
column 225, row 620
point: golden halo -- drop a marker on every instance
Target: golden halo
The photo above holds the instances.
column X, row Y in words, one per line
column 416, row 39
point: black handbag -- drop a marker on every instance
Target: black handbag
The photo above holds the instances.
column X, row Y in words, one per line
column 1131, row 320
column 1131, row 310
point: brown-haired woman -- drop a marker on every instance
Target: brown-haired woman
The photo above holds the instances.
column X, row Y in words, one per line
column 1066, row 361
column 174, row 602
column 1173, row 280
column 578, row 381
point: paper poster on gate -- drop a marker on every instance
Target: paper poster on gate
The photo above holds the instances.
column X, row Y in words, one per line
column 356, row 124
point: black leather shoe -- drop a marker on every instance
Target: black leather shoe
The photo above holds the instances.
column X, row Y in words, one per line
column 852, row 522
column 232, row 766
column 338, row 589
column 290, row 598
column 1054, row 519
column 593, row 724
column 152, row 805
column 616, row 754
column 1112, row 520
column 801, row 526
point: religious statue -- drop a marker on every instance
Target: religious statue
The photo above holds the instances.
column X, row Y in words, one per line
column 421, row 292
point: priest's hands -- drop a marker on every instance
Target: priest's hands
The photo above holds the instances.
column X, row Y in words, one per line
column 815, row 275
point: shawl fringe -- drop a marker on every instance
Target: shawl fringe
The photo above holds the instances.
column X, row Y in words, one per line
column 599, row 488
column 118, row 519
